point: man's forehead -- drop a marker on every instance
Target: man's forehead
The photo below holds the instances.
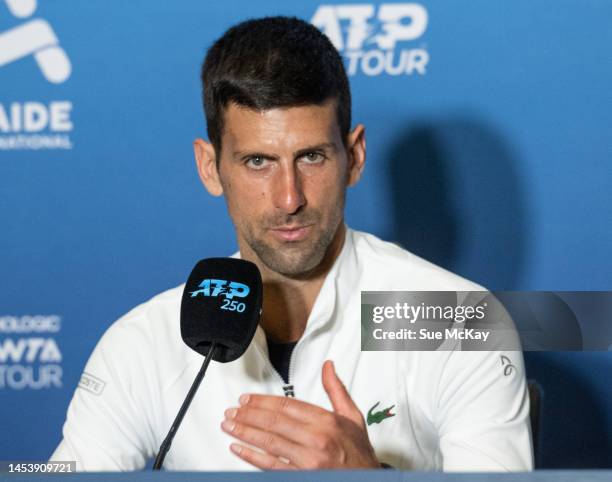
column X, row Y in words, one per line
column 290, row 127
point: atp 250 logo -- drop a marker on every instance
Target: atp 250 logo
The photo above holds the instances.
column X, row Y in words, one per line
column 373, row 39
column 229, row 289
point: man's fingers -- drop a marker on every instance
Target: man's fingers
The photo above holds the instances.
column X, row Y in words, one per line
column 272, row 421
column 261, row 460
column 269, row 442
column 338, row 395
column 291, row 407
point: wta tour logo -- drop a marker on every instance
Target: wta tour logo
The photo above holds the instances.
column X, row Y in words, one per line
column 29, row 355
column 375, row 40
column 34, row 125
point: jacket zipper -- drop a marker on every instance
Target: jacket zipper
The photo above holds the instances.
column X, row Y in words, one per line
column 288, row 388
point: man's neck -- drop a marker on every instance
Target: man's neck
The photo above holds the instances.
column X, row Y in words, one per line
column 288, row 301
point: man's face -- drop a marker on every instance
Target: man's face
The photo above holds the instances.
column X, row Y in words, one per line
column 284, row 174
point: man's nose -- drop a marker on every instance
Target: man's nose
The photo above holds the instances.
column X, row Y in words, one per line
column 288, row 190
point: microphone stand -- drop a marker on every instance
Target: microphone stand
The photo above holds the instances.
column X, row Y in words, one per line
column 165, row 446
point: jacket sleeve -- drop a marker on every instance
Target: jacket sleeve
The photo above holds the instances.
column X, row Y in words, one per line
column 108, row 425
column 482, row 412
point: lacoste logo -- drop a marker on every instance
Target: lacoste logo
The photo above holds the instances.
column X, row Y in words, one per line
column 377, row 417
column 92, row 384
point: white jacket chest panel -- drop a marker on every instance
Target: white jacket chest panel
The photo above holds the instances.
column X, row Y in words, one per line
column 405, row 440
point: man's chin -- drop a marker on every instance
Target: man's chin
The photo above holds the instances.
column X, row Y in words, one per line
column 291, row 259
column 291, row 267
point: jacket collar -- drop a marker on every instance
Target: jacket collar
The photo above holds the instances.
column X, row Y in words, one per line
column 339, row 284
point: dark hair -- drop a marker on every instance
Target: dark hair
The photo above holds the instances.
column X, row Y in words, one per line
column 269, row 63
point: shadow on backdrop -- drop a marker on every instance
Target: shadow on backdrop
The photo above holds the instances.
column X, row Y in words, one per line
column 458, row 200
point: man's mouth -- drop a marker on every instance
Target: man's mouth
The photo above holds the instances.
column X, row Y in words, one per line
column 291, row 233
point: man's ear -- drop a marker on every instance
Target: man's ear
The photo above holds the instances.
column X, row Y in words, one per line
column 356, row 145
column 206, row 162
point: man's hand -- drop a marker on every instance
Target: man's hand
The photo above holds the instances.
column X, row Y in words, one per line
column 297, row 435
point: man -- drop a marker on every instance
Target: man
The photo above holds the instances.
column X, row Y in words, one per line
column 282, row 154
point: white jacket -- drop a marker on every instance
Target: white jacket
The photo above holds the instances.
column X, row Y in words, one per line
column 455, row 411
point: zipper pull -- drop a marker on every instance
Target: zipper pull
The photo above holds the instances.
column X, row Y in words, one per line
column 288, row 389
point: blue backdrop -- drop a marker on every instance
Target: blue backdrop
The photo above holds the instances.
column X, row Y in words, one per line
column 488, row 126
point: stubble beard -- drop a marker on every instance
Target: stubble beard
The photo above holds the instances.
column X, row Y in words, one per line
column 297, row 259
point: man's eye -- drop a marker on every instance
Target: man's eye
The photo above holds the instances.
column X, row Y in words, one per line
column 313, row 157
column 256, row 162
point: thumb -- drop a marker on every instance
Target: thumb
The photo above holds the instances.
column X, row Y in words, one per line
column 338, row 395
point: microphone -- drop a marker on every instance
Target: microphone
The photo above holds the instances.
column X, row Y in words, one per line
column 220, row 310
column 228, row 291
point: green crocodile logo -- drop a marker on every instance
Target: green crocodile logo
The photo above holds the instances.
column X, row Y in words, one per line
column 377, row 417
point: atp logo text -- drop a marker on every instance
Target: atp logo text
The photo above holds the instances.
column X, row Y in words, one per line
column 216, row 287
column 369, row 37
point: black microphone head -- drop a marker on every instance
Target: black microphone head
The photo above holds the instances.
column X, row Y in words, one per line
column 222, row 304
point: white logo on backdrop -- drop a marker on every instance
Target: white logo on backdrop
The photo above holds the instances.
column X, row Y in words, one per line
column 371, row 39
column 36, row 38
column 32, row 125
column 29, row 355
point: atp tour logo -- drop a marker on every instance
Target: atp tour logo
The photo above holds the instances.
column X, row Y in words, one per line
column 229, row 289
column 29, row 355
column 34, row 125
column 372, row 39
